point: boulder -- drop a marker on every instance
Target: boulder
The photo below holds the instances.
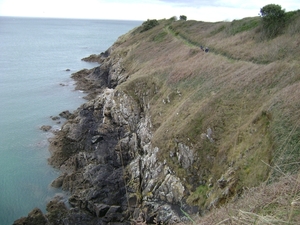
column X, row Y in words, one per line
column 66, row 114
column 45, row 128
column 55, row 117
column 35, row 217
column 58, row 182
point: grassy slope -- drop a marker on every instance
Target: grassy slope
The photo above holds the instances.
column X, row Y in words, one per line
column 246, row 90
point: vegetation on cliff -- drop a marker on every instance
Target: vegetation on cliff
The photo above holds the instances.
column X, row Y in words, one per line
column 236, row 107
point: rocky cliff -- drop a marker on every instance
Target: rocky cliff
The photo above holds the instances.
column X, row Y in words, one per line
column 170, row 130
column 107, row 161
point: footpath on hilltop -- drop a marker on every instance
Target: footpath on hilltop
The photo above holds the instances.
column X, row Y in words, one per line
column 174, row 134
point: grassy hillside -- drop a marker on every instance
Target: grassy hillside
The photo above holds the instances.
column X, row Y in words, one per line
column 237, row 107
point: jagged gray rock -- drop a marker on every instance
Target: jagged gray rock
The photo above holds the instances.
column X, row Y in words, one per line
column 107, row 160
column 45, row 128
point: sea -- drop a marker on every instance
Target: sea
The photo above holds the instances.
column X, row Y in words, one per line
column 37, row 58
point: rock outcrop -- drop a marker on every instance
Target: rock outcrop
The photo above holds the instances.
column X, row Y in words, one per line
column 107, row 161
column 35, row 217
column 109, row 165
column 45, row 128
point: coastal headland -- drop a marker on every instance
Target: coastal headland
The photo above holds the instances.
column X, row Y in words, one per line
column 181, row 119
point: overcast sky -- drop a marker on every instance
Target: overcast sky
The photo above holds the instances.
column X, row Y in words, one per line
column 204, row 10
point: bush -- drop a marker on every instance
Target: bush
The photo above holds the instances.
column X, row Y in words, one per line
column 182, row 17
column 147, row 25
column 273, row 19
column 272, row 13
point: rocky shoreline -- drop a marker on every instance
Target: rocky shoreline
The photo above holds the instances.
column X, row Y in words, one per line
column 169, row 133
column 106, row 159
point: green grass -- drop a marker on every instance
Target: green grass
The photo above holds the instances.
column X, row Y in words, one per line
column 199, row 196
column 238, row 26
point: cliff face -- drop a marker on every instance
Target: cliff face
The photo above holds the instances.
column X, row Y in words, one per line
column 108, row 161
column 106, row 158
column 171, row 130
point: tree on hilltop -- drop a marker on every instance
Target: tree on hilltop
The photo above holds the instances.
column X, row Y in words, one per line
column 149, row 24
column 182, row 17
column 273, row 18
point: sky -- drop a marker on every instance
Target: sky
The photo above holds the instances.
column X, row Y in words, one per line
column 201, row 10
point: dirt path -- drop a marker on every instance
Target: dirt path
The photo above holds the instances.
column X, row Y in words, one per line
column 197, row 45
column 186, row 41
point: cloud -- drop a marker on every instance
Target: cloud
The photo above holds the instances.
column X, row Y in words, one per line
column 204, row 10
column 219, row 10
column 256, row 4
column 189, row 3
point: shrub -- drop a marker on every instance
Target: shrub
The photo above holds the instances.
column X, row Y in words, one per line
column 147, row 25
column 272, row 13
column 273, row 18
column 182, row 17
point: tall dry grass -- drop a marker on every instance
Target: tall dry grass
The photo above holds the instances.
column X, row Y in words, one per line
column 276, row 203
column 246, row 90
